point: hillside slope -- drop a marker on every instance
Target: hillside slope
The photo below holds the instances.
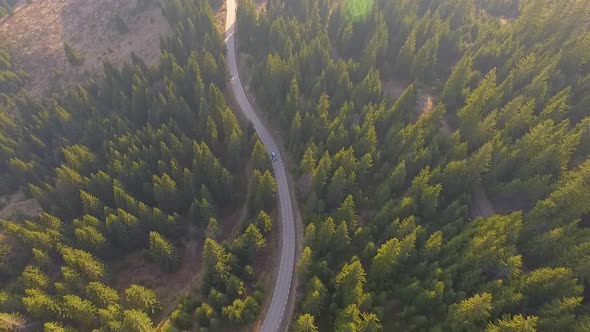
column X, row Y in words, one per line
column 37, row 32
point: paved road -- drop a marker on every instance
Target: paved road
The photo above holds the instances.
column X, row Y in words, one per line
column 280, row 296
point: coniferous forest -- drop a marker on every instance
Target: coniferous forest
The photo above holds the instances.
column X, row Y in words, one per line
column 388, row 189
column 135, row 160
column 442, row 171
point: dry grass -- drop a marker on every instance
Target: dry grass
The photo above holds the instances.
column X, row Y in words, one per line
column 260, row 5
column 18, row 202
column 169, row 287
column 426, row 98
column 394, row 89
column 37, row 32
column 220, row 16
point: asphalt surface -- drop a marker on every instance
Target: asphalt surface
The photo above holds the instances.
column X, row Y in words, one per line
column 280, row 295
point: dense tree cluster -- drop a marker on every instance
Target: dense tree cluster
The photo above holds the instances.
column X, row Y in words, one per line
column 12, row 78
column 388, row 188
column 133, row 161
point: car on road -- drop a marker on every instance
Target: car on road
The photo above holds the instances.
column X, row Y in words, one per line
column 273, row 156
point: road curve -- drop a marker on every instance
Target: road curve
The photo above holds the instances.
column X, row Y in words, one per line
column 280, row 295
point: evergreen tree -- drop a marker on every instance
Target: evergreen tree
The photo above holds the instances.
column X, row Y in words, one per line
column 406, row 56
column 141, row 298
column 471, row 313
column 259, row 157
column 263, row 189
column 136, row 321
column 73, row 55
column 349, row 284
column 162, row 252
column 305, row 323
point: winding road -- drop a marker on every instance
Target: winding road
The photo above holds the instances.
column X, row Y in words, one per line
column 281, row 291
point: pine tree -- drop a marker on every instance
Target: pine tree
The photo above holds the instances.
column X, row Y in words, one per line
column 241, row 312
column 83, row 262
column 304, row 264
column 12, row 322
column 559, row 314
column 315, row 297
column 263, row 222
column 166, row 192
column 390, row 254
column 213, row 230
column 471, row 313
column 246, row 20
column 162, row 252
column 296, row 133
column 369, row 323
column 90, row 238
column 136, row 321
column 337, row 187
column 293, row 102
column 141, row 298
column 216, row 262
column 406, row 56
column 346, row 212
column 425, row 60
column 263, row 189
column 251, row 242
column 515, row 323
column 40, row 305
column 79, row 310
column 305, row 323
column 204, row 314
column 259, row 157
column 56, row 327
column 349, row 284
column 454, row 92
column 101, row 295
column 33, row 277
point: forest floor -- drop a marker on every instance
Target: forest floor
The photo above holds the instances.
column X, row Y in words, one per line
column 37, row 32
column 425, row 96
column 169, row 287
column 18, row 203
column 172, row 287
column 260, row 5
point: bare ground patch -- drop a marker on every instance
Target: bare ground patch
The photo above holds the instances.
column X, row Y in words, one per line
column 394, row 89
column 169, row 287
column 37, row 32
column 260, row 5
column 425, row 102
column 220, row 16
column 18, row 202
